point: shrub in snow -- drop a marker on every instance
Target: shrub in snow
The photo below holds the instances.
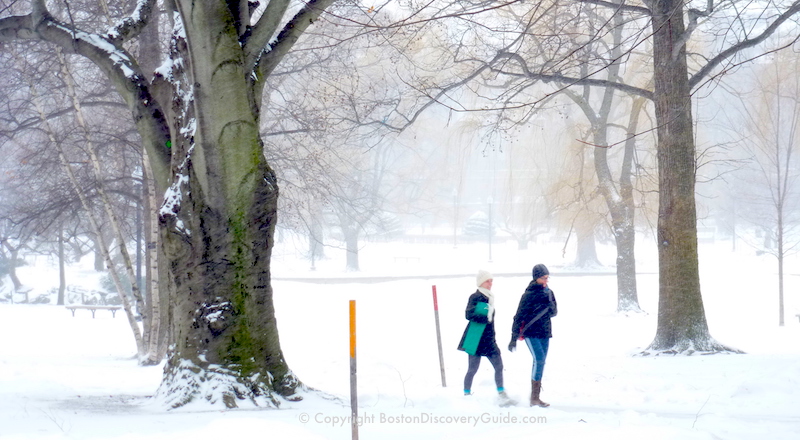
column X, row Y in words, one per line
column 80, row 295
column 477, row 225
column 41, row 299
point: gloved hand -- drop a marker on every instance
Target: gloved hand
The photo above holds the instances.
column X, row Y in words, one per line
column 513, row 344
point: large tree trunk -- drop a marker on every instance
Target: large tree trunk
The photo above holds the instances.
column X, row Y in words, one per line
column 682, row 326
column 218, row 230
column 222, row 306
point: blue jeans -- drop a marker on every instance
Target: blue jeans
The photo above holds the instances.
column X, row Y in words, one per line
column 538, row 348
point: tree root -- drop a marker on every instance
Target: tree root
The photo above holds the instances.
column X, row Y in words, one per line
column 689, row 348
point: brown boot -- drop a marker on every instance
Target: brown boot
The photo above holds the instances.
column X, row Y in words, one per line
column 536, row 388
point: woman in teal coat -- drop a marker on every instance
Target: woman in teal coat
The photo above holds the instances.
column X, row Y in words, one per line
column 480, row 310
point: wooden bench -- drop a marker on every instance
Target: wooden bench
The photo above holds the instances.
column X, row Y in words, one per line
column 93, row 309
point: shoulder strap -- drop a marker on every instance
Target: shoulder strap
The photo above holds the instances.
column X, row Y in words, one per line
column 533, row 320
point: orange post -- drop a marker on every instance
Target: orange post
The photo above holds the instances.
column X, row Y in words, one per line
column 352, row 328
column 353, row 385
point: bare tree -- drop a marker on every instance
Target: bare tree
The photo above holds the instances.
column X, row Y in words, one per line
column 540, row 43
column 767, row 120
column 328, row 138
column 102, row 140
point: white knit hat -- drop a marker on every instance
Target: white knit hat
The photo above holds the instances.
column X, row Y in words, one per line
column 482, row 276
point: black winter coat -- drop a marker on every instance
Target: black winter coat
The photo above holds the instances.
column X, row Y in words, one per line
column 536, row 299
column 487, row 345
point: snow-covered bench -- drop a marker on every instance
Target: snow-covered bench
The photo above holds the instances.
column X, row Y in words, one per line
column 93, row 309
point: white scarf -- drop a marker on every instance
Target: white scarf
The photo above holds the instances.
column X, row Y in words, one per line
column 489, row 295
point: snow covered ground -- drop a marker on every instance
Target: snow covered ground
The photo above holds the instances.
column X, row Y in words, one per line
column 64, row 377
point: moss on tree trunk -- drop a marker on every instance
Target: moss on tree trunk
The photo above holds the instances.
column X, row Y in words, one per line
column 219, row 230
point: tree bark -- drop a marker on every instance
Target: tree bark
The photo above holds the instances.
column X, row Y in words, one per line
column 152, row 294
column 624, row 221
column 12, row 270
column 682, row 326
column 99, row 263
column 218, row 225
column 62, row 272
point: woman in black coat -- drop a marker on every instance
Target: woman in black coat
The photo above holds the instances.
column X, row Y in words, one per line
column 532, row 323
column 480, row 310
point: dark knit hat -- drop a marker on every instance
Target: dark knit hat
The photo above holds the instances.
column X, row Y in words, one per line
column 539, row 271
